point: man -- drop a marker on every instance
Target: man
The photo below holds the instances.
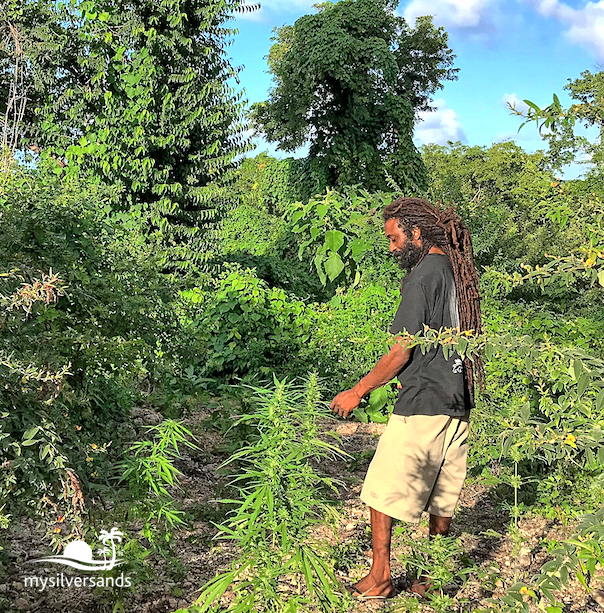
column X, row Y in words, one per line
column 420, row 461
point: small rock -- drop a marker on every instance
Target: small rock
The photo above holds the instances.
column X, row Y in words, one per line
column 598, row 596
column 33, row 555
column 22, row 604
column 524, row 556
column 347, row 429
column 17, row 585
column 350, row 526
column 142, row 416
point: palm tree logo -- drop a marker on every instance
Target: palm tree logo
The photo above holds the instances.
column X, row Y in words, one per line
column 104, row 551
column 112, row 536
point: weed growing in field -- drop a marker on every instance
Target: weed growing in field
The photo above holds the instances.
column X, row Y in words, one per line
column 581, row 555
column 149, row 470
column 440, row 561
column 281, row 566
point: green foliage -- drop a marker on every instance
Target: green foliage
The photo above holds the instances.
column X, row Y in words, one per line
column 331, row 227
column 114, row 310
column 138, row 94
column 243, row 326
column 564, row 425
column 350, row 80
column 349, row 334
column 149, row 471
column 439, row 561
column 252, row 231
column 270, row 184
column 379, row 406
column 510, row 202
column 559, row 123
column 256, row 239
column 84, row 318
column 282, row 497
column 581, row 555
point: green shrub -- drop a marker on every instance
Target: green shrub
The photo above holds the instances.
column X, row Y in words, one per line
column 350, row 334
column 242, row 326
column 253, row 238
column 333, row 232
column 270, row 184
column 73, row 358
column 511, row 202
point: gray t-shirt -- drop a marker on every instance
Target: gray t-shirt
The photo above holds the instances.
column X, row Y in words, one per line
column 431, row 385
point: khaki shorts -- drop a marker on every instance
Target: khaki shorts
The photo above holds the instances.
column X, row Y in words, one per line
column 419, row 465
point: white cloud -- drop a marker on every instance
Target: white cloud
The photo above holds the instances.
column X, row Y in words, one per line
column 439, row 126
column 461, row 14
column 585, row 25
column 513, row 100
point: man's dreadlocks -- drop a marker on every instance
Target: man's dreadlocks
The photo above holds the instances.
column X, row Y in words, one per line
column 445, row 229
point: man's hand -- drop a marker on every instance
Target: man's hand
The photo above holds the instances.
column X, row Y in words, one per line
column 345, row 402
column 384, row 371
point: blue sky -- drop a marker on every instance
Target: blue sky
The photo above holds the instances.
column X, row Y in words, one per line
column 506, row 50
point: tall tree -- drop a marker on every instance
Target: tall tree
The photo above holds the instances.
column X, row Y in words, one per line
column 139, row 92
column 351, row 80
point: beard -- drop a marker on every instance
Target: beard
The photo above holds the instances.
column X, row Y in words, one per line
column 408, row 256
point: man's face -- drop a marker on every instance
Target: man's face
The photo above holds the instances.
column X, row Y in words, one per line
column 406, row 250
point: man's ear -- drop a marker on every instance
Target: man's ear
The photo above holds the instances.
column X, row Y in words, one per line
column 416, row 233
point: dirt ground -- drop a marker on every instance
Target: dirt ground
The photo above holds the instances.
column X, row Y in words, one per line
column 480, row 525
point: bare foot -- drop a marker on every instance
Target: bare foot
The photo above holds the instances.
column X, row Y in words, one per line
column 420, row 587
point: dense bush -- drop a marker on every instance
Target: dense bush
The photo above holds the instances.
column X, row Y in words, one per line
column 253, row 238
column 85, row 323
column 244, row 327
column 349, row 334
column 269, row 183
column 509, row 199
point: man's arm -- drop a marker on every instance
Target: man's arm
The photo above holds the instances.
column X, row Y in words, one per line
column 385, row 370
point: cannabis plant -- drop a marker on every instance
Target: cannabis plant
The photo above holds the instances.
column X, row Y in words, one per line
column 282, row 567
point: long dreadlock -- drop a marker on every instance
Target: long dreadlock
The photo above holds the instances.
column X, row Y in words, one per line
column 445, row 229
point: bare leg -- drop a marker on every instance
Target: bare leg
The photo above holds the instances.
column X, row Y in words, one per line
column 438, row 525
column 378, row 582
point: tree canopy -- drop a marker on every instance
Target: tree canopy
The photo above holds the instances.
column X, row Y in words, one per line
column 351, row 80
column 138, row 93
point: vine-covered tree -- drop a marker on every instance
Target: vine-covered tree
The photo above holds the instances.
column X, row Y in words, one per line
column 138, row 92
column 351, row 80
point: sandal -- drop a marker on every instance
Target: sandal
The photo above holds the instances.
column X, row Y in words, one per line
column 354, row 592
